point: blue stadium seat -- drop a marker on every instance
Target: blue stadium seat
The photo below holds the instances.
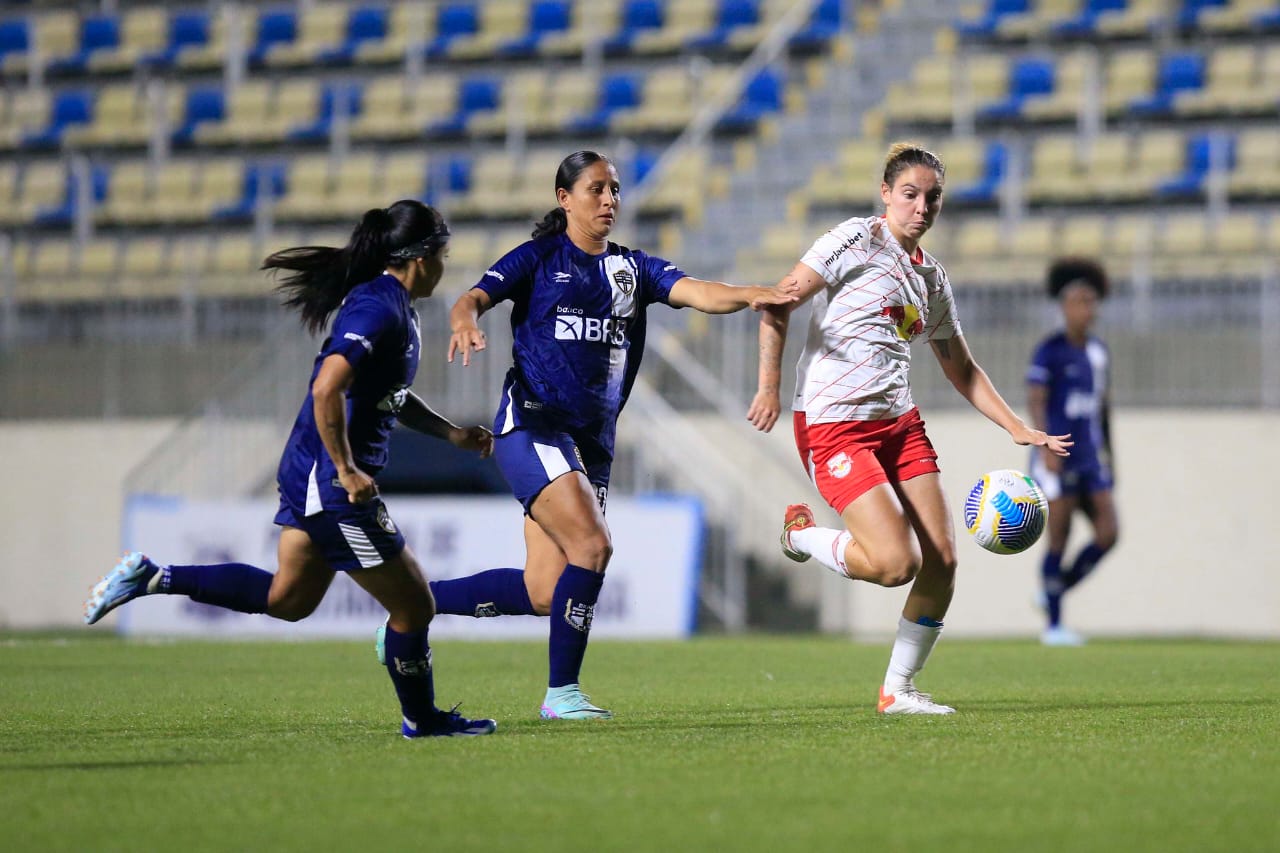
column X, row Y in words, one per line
column 985, row 25
column 1199, row 160
column 367, row 23
column 731, row 15
column 643, row 164
column 545, row 16
column 1085, row 23
column 271, row 177
column 331, row 97
column 186, row 29
column 15, row 37
column 1179, row 72
column 995, row 161
column 474, row 94
column 637, row 16
column 617, row 92
column 96, row 32
column 1026, row 77
column 206, row 103
column 762, row 95
column 447, row 174
column 275, row 27
column 64, row 213
column 69, row 107
column 1189, row 14
column 823, row 26
column 452, row 22
column 1268, row 20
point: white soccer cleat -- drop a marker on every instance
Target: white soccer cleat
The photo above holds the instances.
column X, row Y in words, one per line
column 909, row 700
column 1061, row 636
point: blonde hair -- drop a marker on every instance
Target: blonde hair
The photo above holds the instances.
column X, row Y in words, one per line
column 904, row 155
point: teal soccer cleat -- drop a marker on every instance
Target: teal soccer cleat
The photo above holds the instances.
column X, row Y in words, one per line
column 124, row 583
column 570, row 703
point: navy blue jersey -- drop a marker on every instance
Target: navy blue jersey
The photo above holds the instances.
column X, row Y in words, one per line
column 1076, row 378
column 376, row 330
column 578, row 326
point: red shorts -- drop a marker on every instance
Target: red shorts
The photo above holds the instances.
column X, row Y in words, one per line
column 849, row 458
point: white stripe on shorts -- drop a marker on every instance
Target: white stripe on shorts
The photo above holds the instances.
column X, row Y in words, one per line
column 553, row 461
column 361, row 546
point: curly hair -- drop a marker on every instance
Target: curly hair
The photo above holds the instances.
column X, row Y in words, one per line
column 1066, row 271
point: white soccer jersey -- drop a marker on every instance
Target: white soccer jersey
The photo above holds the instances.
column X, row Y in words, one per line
column 857, row 355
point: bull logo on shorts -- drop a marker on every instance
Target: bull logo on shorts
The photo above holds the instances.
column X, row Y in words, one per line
column 384, row 520
column 839, row 466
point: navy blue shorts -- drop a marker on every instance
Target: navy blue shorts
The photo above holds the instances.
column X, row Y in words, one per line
column 1072, row 481
column 358, row 536
column 531, row 458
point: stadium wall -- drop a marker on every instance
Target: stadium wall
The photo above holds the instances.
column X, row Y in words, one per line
column 1196, row 494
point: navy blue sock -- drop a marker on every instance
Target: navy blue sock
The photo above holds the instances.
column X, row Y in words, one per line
column 1051, row 574
column 572, row 606
column 1086, row 562
column 234, row 586
column 497, row 592
column 409, row 665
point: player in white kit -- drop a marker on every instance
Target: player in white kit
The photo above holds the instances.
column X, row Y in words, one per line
column 859, row 434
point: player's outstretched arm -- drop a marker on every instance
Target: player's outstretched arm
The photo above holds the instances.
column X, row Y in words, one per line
column 417, row 415
column 464, row 319
column 974, row 385
column 766, row 406
column 716, row 297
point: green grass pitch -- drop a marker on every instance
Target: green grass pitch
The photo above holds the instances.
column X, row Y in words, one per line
column 727, row 744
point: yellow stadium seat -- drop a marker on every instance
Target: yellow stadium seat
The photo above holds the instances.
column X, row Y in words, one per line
column 1136, row 20
column 681, row 21
column 1083, row 235
column 1055, row 173
column 218, row 184
column 1131, row 74
column 1230, row 75
column 320, row 26
column 589, row 21
column 384, row 114
column 128, row 192
column 232, row 22
column 493, row 178
column 499, row 23
column 44, row 183
column 248, row 107
column 1159, row 156
column 42, row 273
column 115, row 113
column 357, row 186
column 928, row 96
column 142, row 31
column 53, row 34
column 682, row 187
column 573, row 93
column 24, row 110
column 771, row 11
column 308, row 191
column 1239, row 243
column 1234, row 17
column 404, row 175
column 1036, row 21
column 1071, row 80
column 524, row 95
column 1257, row 170
column 232, row 268
column 1107, row 164
column 175, row 186
column 1263, row 93
column 410, row 26
column 1130, row 236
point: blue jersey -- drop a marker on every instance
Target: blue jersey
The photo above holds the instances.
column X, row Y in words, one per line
column 376, row 330
column 1076, row 378
column 578, row 326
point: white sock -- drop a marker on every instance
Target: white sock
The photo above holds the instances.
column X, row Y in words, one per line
column 910, row 651
column 825, row 545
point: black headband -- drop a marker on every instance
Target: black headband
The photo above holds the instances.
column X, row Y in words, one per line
column 423, row 247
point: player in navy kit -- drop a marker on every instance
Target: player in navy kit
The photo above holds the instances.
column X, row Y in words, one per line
column 1067, row 384
column 578, row 323
column 330, row 514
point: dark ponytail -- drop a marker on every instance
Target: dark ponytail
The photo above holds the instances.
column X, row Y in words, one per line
column 556, row 221
column 320, row 277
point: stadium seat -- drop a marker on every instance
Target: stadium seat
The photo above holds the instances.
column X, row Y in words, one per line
column 202, row 104
column 358, row 186
column 1239, row 244
column 1085, row 23
column 97, row 32
column 1030, row 22
column 1131, row 74
column 780, row 247
column 1071, row 75
column 682, row 188
column 761, row 96
column 15, row 38
column 979, row 169
column 1203, row 152
column 927, row 98
column 321, row 27
column 1262, row 96
column 338, row 102
column 295, row 103
column 1257, row 169
column 146, row 269
column 247, row 108
column 239, row 20
column 637, row 17
column 731, row 17
column 1178, row 72
column 404, row 175
column 492, row 183
column 617, row 92
column 1083, row 236
column 1029, row 77
column 1135, row 19
column 1156, row 157
column 276, row 30
column 309, row 189
column 69, row 107
column 187, row 31
column 666, row 104
column 745, row 36
column 987, row 23
column 21, row 112
column 118, row 116
column 1056, row 172
column 1237, row 17
column 589, row 22
column 365, row 25
column 261, row 183
column 411, row 27
column 854, row 178
column 40, row 184
column 546, row 18
column 682, row 21
column 822, row 26
column 573, row 93
column 1231, row 70
column 475, row 95
column 64, row 212
column 142, row 32
column 499, row 25
column 524, row 95
column 52, row 34
column 453, row 22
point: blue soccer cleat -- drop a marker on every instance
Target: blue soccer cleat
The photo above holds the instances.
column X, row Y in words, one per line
column 380, row 644
column 570, row 703
column 448, row 724
column 125, row 582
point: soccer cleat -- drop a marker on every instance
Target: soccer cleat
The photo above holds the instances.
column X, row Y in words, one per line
column 570, row 703
column 125, row 582
column 909, row 700
column 380, row 644
column 448, row 724
column 1060, row 635
column 798, row 517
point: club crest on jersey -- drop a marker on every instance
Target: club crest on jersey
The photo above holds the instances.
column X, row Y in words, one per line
column 840, row 466
column 625, row 280
column 384, row 519
column 906, row 320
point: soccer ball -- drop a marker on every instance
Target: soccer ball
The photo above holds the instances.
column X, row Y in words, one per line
column 1006, row 512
